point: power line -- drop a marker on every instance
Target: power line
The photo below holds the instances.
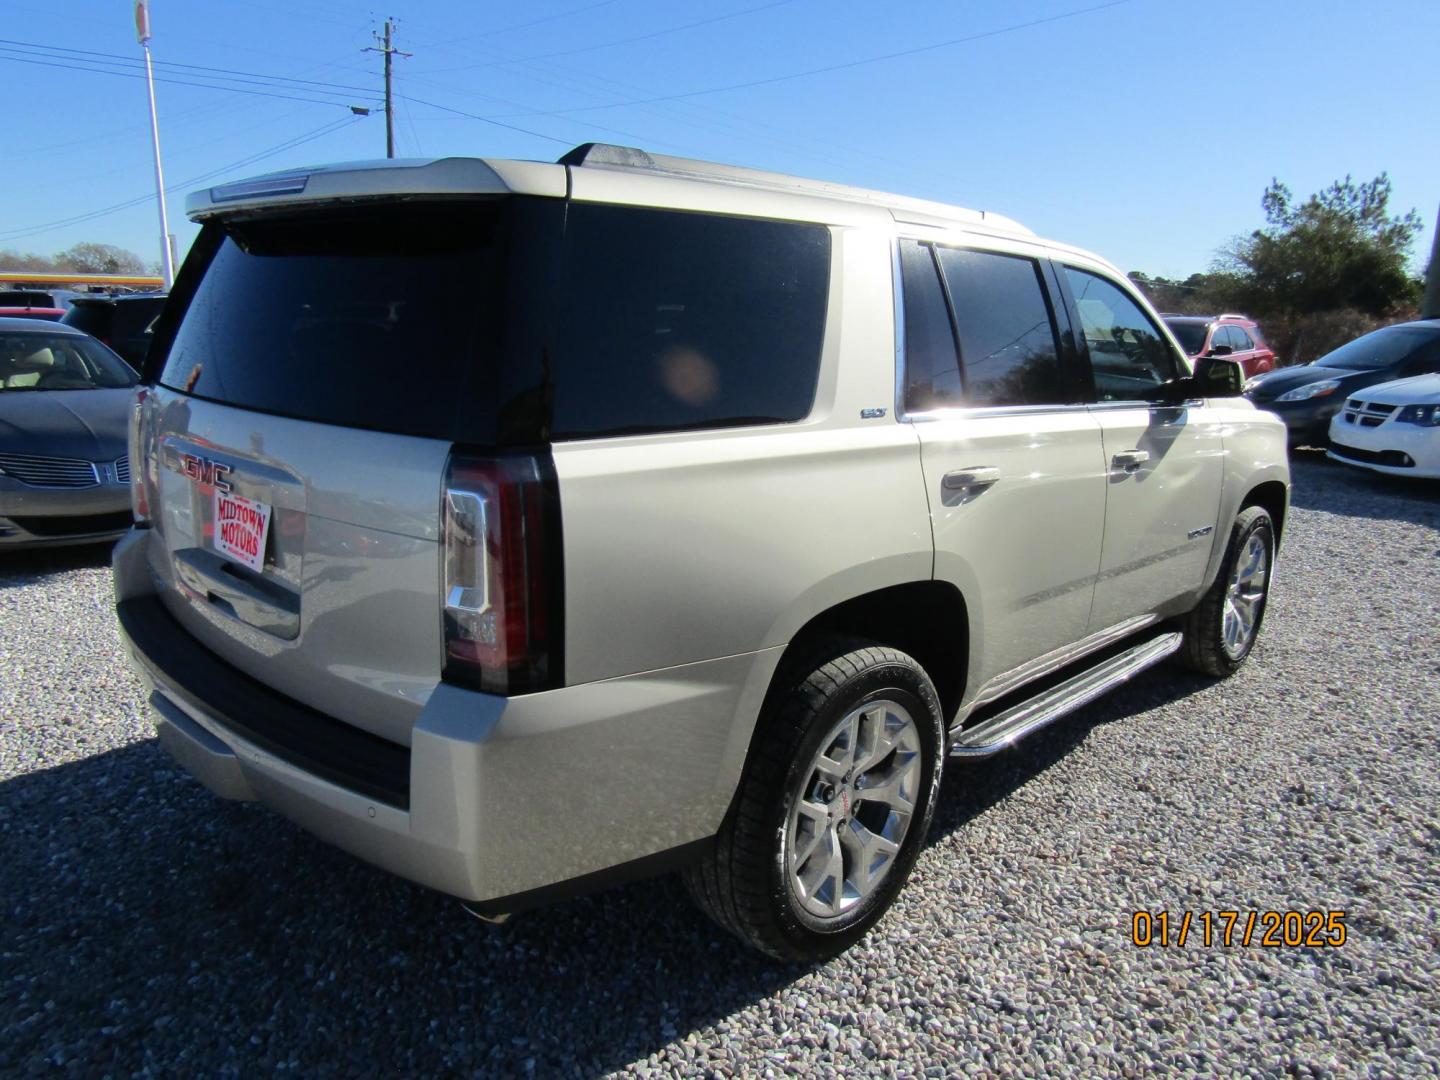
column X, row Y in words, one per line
column 837, row 67
column 289, row 144
column 588, row 125
column 491, row 120
column 525, row 25
column 184, row 117
column 618, row 41
column 178, row 82
column 120, row 59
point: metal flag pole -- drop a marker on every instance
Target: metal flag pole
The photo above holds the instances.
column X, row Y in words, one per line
column 142, row 34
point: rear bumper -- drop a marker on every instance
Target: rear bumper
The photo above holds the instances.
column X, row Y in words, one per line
column 504, row 801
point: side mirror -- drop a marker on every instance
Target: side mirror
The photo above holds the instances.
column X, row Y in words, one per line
column 1216, row 376
column 1220, row 350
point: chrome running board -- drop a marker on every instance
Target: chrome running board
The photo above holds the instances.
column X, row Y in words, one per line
column 1029, row 716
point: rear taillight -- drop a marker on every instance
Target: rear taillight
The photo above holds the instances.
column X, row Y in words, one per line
column 501, row 577
column 139, row 487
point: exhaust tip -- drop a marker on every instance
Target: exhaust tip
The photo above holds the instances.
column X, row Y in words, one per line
column 494, row 918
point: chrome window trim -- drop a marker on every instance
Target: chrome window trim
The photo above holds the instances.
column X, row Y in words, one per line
column 899, row 306
column 1138, row 404
column 989, row 411
column 981, row 412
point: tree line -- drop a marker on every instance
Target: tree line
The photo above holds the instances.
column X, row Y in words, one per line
column 80, row 259
column 1317, row 274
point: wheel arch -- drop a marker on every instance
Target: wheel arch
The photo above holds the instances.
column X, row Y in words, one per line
column 1274, row 498
column 927, row 619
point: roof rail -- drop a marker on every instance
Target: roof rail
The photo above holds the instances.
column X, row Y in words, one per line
column 1231, row 315
column 610, row 156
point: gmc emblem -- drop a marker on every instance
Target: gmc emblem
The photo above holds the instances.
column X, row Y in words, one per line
column 205, row 471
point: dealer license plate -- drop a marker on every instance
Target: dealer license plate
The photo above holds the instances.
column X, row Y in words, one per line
column 242, row 526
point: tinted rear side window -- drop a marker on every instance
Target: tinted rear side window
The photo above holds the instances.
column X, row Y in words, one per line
column 375, row 318
column 1191, row 335
column 1008, row 349
column 672, row 320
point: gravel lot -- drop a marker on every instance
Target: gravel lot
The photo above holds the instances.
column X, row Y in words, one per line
column 149, row 927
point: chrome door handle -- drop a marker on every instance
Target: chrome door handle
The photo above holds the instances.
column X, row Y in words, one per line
column 971, row 479
column 1130, row 460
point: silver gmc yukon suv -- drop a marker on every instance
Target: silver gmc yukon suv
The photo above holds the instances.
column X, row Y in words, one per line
column 523, row 527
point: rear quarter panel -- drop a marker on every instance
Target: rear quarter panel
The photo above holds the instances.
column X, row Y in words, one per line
column 689, row 546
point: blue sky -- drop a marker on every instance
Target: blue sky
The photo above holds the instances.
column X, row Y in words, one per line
column 1143, row 129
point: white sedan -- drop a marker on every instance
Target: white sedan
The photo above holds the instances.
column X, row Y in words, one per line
column 1391, row 427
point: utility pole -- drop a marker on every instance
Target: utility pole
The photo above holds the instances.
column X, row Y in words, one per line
column 142, row 34
column 385, row 47
column 1431, row 307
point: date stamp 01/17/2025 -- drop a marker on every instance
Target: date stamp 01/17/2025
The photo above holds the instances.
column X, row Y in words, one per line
column 1266, row 929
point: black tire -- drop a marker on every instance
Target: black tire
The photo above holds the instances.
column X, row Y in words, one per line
column 742, row 882
column 1204, row 648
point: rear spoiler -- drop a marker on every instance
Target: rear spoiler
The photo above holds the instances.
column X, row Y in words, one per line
column 401, row 178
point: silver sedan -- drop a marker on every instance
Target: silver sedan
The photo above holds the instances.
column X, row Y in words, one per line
column 64, row 468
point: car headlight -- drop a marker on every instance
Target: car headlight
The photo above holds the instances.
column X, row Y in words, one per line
column 1311, row 390
column 1424, row 415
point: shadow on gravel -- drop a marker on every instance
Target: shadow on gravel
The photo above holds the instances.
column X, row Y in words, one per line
column 1336, row 488
column 971, row 788
column 150, row 926
column 31, row 565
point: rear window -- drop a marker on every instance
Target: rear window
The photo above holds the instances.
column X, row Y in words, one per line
column 470, row 321
column 371, row 319
column 673, row 320
column 25, row 298
column 1190, row 335
column 93, row 318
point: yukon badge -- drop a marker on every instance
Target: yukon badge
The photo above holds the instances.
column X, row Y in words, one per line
column 205, row 471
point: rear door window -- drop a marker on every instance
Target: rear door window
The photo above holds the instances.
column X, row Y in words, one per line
column 1008, row 349
column 672, row 320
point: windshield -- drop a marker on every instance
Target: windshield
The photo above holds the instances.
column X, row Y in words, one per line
column 1191, row 335
column 1382, row 348
column 58, row 362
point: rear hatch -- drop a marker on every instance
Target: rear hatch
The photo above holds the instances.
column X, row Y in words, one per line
column 322, row 365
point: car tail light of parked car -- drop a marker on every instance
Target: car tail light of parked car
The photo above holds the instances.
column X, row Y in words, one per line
column 501, row 582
